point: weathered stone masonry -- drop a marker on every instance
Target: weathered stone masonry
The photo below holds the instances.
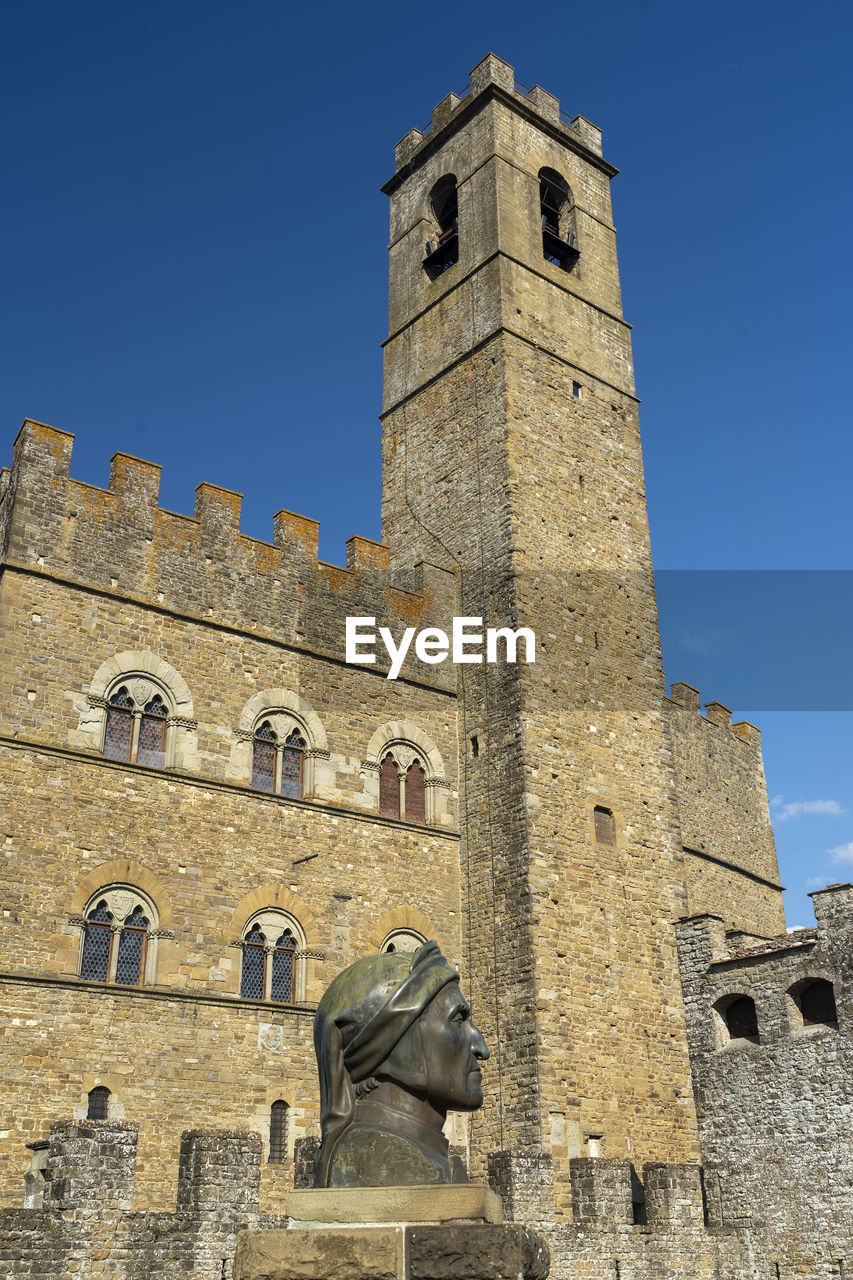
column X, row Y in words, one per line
column 572, row 811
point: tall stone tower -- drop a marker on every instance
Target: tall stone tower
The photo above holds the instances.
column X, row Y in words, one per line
column 511, row 452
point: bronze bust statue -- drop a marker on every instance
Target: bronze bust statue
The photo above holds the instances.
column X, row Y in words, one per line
column 396, row 1050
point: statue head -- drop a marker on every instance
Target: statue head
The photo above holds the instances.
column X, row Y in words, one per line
column 397, row 1017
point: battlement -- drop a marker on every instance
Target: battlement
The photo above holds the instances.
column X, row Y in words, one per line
column 119, row 540
column 493, row 72
column 716, row 713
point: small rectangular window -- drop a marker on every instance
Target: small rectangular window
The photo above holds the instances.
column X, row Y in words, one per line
column 605, row 827
column 576, row 390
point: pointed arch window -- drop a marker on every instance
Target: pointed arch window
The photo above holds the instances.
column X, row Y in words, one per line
column 254, row 964
column 442, row 252
column 278, row 767
column 278, row 1131
column 283, row 968
column 97, row 944
column 272, row 945
column 134, row 732
column 556, row 210
column 117, row 938
column 264, row 757
column 389, row 788
column 415, row 793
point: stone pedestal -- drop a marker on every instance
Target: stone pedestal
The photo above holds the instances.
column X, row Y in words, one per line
column 393, row 1233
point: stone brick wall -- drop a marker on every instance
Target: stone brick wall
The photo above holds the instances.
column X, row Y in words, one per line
column 533, row 490
column 730, row 862
column 775, row 1113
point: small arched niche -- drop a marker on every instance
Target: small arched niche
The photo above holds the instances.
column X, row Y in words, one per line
column 442, row 249
column 737, row 1019
column 813, row 1001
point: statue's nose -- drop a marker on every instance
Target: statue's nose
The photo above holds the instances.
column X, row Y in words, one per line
column 480, row 1048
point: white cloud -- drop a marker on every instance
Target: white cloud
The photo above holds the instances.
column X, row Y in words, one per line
column 816, row 882
column 796, row 808
column 842, row 852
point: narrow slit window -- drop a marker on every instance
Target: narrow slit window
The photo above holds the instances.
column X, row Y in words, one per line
column 278, row 1132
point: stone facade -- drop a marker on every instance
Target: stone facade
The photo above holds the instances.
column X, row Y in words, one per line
column 569, row 811
column 776, row 1108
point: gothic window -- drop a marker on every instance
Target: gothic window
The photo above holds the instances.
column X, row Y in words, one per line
column 443, row 251
column 556, row 210
column 136, row 725
column 97, row 944
column 283, row 968
column 278, row 766
column 605, row 825
column 271, row 945
column 815, row 1000
column 264, row 757
column 131, row 949
column 151, row 748
column 99, row 1099
column 739, row 1016
column 415, row 797
column 389, row 788
column 292, row 756
column 278, row 1132
column 254, row 963
column 116, row 933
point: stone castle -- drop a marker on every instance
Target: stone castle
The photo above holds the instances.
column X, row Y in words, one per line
column 208, row 812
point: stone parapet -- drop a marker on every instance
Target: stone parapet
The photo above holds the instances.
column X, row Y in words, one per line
column 118, row 540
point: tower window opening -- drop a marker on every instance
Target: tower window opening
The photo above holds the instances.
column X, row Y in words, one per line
column 443, row 251
column 741, row 1019
column 816, row 1003
column 576, row 390
column 556, row 209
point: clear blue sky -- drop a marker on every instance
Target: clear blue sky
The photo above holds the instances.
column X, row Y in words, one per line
column 194, row 271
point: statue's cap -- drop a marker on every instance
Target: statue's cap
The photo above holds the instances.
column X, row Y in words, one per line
column 364, row 1013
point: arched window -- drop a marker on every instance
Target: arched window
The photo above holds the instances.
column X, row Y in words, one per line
column 405, row 940
column 278, row 1132
column 264, row 757
column 556, row 209
column 99, row 1100
column 815, row 1000
column 415, row 795
column 136, row 731
column 443, row 251
column 389, row 788
column 605, row 825
column 252, row 984
column 278, row 766
column 117, row 928
column 739, row 1017
column 271, row 945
